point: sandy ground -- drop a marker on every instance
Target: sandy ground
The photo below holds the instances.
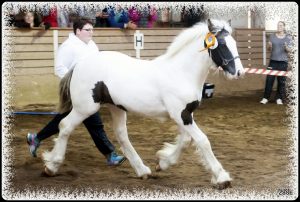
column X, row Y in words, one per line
column 249, row 139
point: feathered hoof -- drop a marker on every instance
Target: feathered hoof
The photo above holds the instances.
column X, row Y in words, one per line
column 223, row 185
column 48, row 172
column 157, row 168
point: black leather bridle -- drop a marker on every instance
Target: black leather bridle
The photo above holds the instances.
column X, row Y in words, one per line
column 225, row 61
column 217, row 52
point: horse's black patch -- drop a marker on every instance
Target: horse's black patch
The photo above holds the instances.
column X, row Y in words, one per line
column 101, row 95
column 186, row 114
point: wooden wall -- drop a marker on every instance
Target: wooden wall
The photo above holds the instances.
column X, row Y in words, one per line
column 33, row 58
column 250, row 47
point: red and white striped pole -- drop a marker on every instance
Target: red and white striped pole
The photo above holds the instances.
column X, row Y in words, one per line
column 267, row 72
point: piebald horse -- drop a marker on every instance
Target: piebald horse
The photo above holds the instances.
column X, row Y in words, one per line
column 169, row 86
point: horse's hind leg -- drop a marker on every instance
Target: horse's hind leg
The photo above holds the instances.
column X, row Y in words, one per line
column 55, row 158
column 120, row 129
column 170, row 154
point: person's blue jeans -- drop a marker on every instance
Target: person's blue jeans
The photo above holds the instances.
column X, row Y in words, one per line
column 280, row 94
column 93, row 124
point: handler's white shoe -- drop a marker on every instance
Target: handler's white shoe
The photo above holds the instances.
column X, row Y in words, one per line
column 264, row 101
column 279, row 102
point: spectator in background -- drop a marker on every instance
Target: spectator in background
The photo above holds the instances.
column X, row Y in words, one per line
column 26, row 20
column 50, row 16
column 118, row 17
column 102, row 18
column 280, row 45
column 87, row 11
column 134, row 15
column 152, row 17
column 63, row 17
column 29, row 19
column 144, row 18
column 176, row 16
column 165, row 17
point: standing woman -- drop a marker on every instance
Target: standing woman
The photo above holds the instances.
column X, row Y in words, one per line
column 279, row 45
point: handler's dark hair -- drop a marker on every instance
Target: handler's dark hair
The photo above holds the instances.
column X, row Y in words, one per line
column 80, row 22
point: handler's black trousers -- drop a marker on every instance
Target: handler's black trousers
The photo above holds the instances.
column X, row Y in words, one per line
column 93, row 124
column 280, row 94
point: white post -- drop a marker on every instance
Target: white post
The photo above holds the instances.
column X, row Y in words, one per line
column 55, row 44
column 138, row 53
column 249, row 19
column 138, row 43
column 264, row 49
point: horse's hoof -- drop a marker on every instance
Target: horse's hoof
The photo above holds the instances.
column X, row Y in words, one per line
column 48, row 172
column 224, row 185
column 157, row 168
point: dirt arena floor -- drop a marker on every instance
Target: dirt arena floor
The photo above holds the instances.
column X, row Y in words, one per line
column 250, row 140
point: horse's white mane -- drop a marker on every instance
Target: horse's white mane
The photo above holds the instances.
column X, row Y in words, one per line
column 185, row 37
column 193, row 33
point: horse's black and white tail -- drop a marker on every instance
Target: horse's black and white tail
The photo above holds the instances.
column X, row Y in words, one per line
column 65, row 102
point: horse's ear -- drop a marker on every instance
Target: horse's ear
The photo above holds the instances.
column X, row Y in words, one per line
column 210, row 25
column 229, row 22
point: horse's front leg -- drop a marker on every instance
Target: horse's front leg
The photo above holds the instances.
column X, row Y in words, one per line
column 220, row 177
column 120, row 129
column 182, row 114
column 54, row 159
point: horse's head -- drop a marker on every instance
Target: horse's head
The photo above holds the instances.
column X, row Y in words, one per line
column 222, row 48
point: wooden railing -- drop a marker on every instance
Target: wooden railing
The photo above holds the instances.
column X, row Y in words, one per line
column 250, row 47
column 30, row 51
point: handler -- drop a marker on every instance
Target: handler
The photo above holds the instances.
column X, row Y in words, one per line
column 78, row 45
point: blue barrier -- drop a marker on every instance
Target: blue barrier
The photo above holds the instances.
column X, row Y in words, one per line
column 34, row 113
